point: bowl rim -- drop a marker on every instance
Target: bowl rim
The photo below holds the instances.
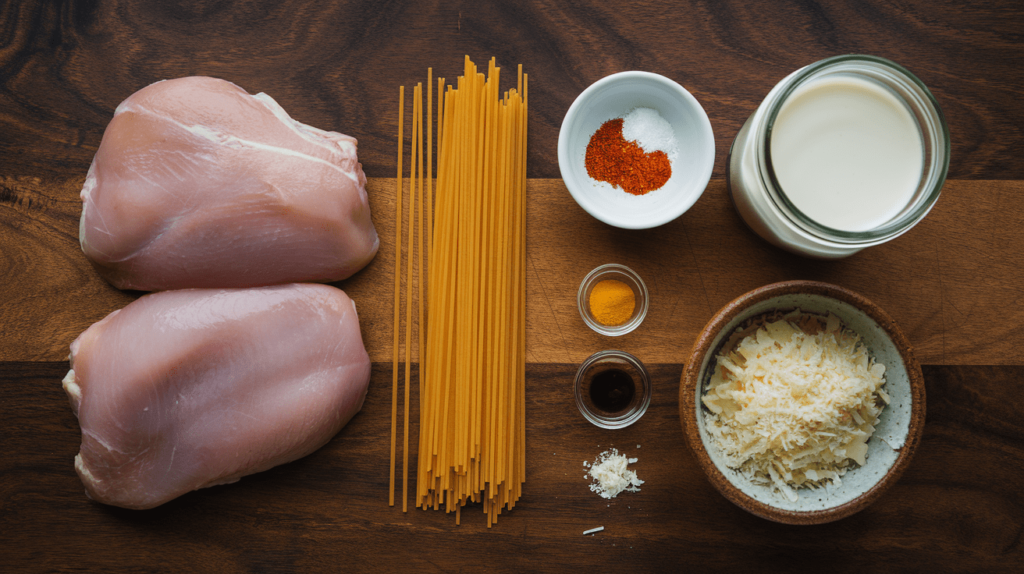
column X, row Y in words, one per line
column 706, row 130
column 691, row 378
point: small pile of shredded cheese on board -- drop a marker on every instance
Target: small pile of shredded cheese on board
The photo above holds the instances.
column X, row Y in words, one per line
column 793, row 400
column 611, row 475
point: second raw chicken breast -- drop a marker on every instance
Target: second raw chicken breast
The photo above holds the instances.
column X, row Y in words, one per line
column 197, row 183
column 192, row 388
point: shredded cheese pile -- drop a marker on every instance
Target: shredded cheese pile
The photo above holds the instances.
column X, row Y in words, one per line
column 611, row 475
column 794, row 402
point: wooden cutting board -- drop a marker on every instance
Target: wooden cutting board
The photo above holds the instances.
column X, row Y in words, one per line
column 954, row 283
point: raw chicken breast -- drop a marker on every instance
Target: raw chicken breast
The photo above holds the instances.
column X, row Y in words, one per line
column 199, row 184
column 187, row 389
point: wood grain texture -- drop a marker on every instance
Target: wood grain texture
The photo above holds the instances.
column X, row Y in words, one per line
column 67, row 64
column 954, row 282
column 960, row 501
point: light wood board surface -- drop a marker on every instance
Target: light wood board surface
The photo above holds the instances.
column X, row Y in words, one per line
column 953, row 283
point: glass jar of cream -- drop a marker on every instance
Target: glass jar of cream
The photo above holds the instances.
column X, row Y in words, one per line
column 843, row 154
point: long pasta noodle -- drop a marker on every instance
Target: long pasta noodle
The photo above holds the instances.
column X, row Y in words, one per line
column 414, row 183
column 398, row 266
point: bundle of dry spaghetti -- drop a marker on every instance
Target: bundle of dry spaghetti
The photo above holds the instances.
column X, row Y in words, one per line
column 472, row 402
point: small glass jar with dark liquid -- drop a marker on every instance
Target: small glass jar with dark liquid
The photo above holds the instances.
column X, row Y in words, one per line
column 612, row 389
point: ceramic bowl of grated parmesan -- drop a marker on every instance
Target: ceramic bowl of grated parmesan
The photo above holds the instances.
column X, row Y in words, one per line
column 802, row 402
column 636, row 150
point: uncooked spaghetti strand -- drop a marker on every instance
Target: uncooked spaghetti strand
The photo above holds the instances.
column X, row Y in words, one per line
column 467, row 272
column 509, row 309
column 473, row 294
column 398, row 280
column 498, row 384
column 522, row 286
column 426, row 180
column 429, row 210
column 518, row 270
column 448, row 364
column 421, row 334
column 416, row 144
column 485, row 322
column 490, row 383
column 477, row 262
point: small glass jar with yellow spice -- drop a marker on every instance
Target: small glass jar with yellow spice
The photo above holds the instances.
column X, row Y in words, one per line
column 612, row 300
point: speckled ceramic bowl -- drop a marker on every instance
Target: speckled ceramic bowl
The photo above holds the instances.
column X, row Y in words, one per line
column 890, row 447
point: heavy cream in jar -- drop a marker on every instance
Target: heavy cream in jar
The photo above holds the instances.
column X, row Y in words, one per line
column 841, row 155
column 847, row 153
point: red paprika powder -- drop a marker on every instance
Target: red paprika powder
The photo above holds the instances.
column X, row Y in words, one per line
column 625, row 164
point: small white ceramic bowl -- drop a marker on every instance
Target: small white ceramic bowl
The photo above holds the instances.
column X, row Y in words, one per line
column 614, row 97
column 890, row 448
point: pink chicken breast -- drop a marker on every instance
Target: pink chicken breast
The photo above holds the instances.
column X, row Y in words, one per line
column 197, row 183
column 186, row 389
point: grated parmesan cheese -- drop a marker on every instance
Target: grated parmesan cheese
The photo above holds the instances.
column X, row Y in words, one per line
column 794, row 401
column 611, row 475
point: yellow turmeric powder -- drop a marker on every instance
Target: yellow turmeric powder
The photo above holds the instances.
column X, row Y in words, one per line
column 612, row 302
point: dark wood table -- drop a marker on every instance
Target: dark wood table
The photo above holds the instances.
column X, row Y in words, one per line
column 954, row 283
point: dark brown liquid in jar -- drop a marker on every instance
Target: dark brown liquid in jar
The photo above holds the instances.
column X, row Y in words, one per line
column 612, row 390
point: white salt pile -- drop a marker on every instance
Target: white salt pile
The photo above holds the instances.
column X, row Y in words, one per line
column 650, row 131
